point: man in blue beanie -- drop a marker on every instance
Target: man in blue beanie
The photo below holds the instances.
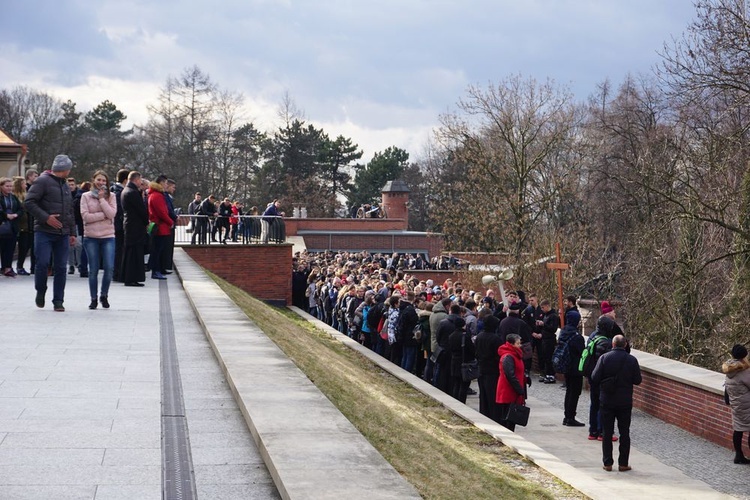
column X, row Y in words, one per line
column 50, row 203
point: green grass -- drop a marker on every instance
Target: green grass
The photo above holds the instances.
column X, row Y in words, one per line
column 442, row 455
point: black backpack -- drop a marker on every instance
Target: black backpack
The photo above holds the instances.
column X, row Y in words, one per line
column 373, row 316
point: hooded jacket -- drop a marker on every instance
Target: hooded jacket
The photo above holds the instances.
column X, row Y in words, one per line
column 737, row 385
column 511, row 387
column 438, row 314
column 158, row 211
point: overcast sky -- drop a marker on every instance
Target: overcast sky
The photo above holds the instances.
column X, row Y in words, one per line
column 380, row 72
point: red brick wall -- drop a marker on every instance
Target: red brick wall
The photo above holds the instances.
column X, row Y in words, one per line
column 293, row 226
column 395, row 242
column 263, row 271
column 694, row 409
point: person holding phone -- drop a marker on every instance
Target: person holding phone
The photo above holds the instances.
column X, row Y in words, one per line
column 98, row 211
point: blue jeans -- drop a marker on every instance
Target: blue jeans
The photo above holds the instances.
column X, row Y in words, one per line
column 51, row 246
column 100, row 250
column 408, row 358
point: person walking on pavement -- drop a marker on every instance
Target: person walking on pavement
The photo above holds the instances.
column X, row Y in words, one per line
column 50, row 203
column 615, row 374
column 737, row 395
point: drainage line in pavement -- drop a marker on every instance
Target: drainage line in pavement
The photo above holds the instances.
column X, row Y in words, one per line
column 178, row 479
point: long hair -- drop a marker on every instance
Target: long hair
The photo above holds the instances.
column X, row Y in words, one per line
column 19, row 188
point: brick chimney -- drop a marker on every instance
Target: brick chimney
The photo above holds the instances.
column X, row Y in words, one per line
column 396, row 201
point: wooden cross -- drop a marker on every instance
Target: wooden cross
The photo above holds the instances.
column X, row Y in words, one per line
column 559, row 266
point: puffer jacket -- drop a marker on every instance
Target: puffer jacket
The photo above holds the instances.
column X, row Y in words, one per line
column 737, row 385
column 157, row 210
column 48, row 195
column 98, row 215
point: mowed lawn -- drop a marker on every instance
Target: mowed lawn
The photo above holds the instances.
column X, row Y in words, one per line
column 442, row 455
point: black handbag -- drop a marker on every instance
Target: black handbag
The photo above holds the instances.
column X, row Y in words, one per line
column 518, row 414
column 6, row 230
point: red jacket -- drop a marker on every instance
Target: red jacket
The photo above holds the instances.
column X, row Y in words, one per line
column 157, row 210
column 511, row 386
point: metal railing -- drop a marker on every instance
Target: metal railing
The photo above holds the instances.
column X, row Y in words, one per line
column 249, row 230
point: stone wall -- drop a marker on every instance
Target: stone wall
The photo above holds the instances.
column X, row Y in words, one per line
column 395, row 242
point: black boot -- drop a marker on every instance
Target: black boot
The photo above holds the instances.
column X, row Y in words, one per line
column 104, row 301
column 93, row 303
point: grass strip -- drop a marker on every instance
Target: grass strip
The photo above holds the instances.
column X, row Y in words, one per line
column 442, row 455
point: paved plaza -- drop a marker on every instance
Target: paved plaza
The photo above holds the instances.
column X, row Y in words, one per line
column 84, row 407
column 80, row 399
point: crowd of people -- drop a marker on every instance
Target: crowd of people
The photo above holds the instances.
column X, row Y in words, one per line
column 434, row 330
column 96, row 225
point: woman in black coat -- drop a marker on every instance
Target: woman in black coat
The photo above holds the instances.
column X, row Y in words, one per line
column 135, row 220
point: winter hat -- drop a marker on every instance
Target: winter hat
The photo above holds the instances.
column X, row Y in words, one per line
column 739, row 351
column 573, row 318
column 491, row 323
column 606, row 308
column 515, row 306
column 61, row 163
column 430, row 283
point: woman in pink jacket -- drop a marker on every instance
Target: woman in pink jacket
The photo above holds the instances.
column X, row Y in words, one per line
column 98, row 211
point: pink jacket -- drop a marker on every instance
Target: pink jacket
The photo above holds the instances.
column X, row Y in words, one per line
column 98, row 216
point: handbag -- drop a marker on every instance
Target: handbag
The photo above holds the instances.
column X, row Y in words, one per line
column 470, row 369
column 518, row 414
column 6, row 230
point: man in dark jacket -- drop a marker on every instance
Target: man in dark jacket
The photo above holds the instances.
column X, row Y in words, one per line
column 570, row 337
column 488, row 341
column 50, row 203
column 407, row 320
column 134, row 222
column 451, row 323
column 548, row 324
column 122, row 178
column 615, row 374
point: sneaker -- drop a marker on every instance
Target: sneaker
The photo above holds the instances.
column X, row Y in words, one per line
column 104, row 301
column 10, row 273
column 542, row 379
column 22, row 272
column 550, row 379
column 158, row 276
column 594, row 437
column 58, row 306
column 39, row 299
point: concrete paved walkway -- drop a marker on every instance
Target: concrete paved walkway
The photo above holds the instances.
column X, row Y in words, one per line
column 80, row 402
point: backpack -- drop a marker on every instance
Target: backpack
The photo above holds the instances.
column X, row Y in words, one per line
column 586, row 365
column 374, row 315
column 561, row 357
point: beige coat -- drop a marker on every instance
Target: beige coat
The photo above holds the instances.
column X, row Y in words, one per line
column 738, row 387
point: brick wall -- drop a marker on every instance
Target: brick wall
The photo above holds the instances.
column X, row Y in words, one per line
column 263, row 271
column 692, row 408
column 433, row 244
column 293, row 226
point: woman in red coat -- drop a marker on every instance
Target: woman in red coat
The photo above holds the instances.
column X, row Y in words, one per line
column 159, row 215
column 511, row 386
